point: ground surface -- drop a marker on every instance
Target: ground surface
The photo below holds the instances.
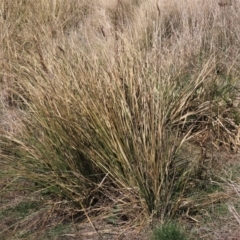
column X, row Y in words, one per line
column 25, row 214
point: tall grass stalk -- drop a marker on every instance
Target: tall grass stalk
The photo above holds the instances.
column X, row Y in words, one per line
column 104, row 106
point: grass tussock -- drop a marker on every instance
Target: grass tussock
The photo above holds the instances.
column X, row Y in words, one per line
column 102, row 103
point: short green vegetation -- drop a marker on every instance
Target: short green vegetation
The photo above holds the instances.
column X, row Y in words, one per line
column 168, row 231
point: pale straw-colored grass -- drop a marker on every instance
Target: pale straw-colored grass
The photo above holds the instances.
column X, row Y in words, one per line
column 110, row 92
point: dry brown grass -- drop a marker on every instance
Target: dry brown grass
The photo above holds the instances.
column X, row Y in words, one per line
column 101, row 104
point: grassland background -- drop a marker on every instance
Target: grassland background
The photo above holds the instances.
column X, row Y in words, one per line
column 120, row 115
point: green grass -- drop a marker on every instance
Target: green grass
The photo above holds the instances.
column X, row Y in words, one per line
column 168, row 231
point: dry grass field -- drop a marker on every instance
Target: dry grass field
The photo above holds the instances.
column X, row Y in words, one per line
column 119, row 119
